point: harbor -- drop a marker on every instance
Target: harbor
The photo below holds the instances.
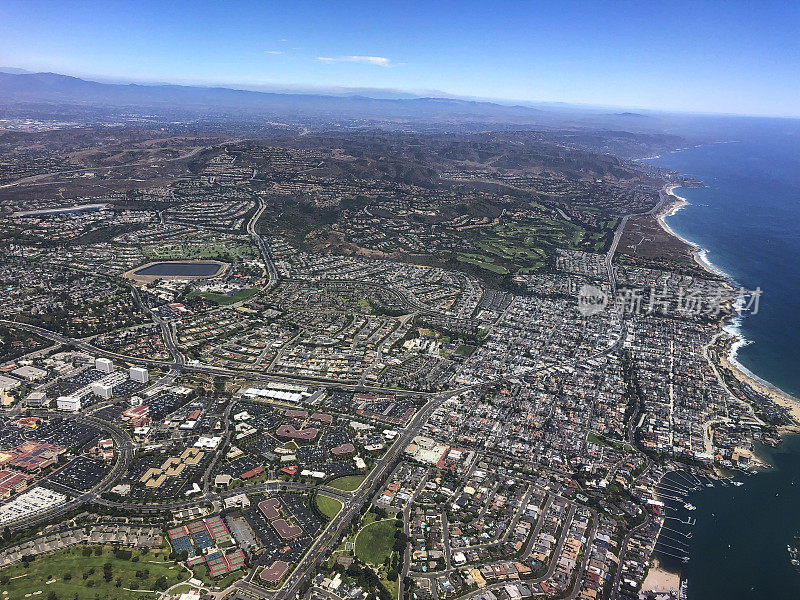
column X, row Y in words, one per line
column 704, row 540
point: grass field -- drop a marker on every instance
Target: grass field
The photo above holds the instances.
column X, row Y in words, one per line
column 196, row 251
column 392, row 586
column 374, row 542
column 202, row 573
column 464, row 350
column 328, row 506
column 68, row 574
column 224, row 299
column 182, row 589
column 348, row 483
column 483, row 264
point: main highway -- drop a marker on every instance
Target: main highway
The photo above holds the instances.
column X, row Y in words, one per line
column 207, row 369
column 266, row 255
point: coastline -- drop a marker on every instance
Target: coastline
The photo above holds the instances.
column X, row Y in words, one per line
column 726, row 558
column 762, row 386
column 729, row 326
column 700, row 254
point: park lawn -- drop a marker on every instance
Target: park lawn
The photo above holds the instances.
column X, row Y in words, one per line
column 464, row 350
column 224, row 299
column 348, row 483
column 328, row 506
column 24, row 582
column 593, row 438
column 374, row 543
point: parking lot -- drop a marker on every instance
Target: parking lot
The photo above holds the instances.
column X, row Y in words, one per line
column 55, row 430
column 294, row 508
column 79, row 475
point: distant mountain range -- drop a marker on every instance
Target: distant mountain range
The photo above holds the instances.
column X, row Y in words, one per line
column 63, row 97
column 14, row 71
column 63, row 89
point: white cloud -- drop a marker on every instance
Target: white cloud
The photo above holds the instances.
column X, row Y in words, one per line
column 274, row 51
column 380, row 61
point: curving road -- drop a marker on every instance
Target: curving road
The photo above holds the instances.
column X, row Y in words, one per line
column 123, row 457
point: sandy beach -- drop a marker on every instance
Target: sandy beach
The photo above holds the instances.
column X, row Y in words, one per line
column 670, row 209
column 660, row 580
column 778, row 396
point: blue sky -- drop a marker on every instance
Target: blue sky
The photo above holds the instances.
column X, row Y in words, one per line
column 735, row 56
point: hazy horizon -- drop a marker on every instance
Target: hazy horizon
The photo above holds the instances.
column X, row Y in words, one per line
column 390, row 93
column 680, row 57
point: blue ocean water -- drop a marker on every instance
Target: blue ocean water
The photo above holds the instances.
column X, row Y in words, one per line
column 748, row 219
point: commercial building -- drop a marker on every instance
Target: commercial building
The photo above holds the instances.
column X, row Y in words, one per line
column 37, row 400
column 139, row 374
column 273, row 574
column 7, row 383
column 12, row 482
column 68, row 403
column 103, row 390
column 29, row 373
column 33, row 456
column 172, row 467
column 104, row 365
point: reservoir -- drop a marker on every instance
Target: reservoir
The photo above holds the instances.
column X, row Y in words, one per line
column 180, row 269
